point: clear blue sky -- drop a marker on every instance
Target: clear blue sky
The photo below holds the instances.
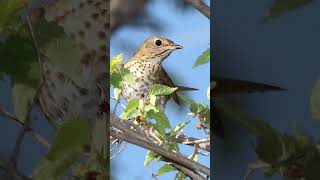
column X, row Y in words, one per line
column 191, row 30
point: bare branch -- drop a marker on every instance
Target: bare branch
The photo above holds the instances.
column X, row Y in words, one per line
column 203, row 144
column 10, row 116
column 200, row 6
column 134, row 138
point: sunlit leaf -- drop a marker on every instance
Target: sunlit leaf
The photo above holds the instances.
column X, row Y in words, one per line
column 176, row 129
column 130, row 109
column 203, row 58
column 165, row 169
column 149, row 157
column 159, row 90
column 114, row 62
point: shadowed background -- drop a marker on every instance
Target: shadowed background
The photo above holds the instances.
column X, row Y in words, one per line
column 283, row 52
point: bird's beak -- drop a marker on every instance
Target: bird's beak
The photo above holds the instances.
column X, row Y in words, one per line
column 176, row 46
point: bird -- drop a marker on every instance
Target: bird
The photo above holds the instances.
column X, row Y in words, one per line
column 145, row 66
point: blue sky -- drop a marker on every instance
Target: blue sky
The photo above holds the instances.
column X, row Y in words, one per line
column 191, row 30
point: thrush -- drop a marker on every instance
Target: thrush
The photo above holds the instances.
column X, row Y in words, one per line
column 145, row 66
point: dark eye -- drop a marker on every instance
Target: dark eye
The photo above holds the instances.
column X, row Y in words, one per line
column 158, row 42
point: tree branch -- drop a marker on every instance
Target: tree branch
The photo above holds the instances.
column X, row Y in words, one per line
column 203, row 144
column 144, row 142
column 200, row 6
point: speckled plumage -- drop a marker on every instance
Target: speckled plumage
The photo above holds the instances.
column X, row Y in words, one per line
column 146, row 67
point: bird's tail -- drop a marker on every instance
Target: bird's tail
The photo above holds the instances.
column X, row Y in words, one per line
column 183, row 88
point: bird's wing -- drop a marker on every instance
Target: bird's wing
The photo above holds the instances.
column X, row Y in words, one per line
column 165, row 80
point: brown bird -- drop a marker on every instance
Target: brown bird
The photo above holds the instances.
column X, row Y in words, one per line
column 145, row 65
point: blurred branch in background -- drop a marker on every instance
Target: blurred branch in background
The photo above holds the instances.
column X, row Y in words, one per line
column 200, row 6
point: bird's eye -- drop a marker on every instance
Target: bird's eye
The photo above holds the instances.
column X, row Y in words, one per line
column 158, row 42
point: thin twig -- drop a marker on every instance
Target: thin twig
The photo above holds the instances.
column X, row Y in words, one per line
column 10, row 116
column 200, row 6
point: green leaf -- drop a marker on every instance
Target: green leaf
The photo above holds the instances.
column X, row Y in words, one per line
column 176, row 129
column 9, row 11
column 165, row 169
column 160, row 90
column 18, row 65
column 116, row 93
column 53, row 170
column 130, row 109
column 71, row 136
column 116, row 80
column 315, row 101
column 114, row 62
column 149, row 157
column 281, row 7
column 23, row 67
column 22, row 95
column 203, row 58
column 186, row 99
column 153, row 100
column 162, row 120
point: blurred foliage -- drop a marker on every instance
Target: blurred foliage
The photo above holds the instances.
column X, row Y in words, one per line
column 315, row 101
column 281, row 7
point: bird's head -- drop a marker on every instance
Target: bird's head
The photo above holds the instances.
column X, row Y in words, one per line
column 155, row 48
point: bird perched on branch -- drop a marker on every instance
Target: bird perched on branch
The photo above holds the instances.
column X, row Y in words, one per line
column 145, row 65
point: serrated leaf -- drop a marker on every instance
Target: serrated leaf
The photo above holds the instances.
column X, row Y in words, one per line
column 70, row 137
column 160, row 90
column 130, row 109
column 165, row 169
column 114, row 62
column 149, row 157
column 22, row 95
column 315, row 101
column 176, row 129
column 203, row 58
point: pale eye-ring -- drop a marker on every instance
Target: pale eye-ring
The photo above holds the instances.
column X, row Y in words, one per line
column 158, row 42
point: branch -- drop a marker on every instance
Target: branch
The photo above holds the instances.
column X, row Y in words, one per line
column 203, row 144
column 200, row 6
column 144, row 142
column 147, row 144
